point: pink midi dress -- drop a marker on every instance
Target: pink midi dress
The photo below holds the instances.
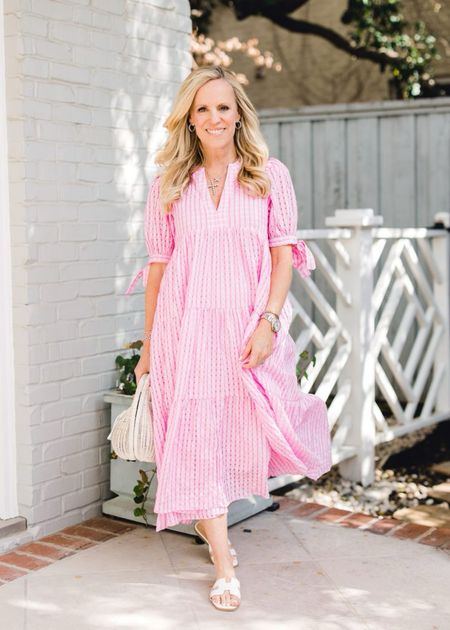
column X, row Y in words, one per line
column 221, row 429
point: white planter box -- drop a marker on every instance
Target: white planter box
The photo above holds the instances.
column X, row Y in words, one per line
column 125, row 474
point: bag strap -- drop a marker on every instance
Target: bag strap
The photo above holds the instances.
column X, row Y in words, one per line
column 141, row 415
column 137, row 393
column 133, row 410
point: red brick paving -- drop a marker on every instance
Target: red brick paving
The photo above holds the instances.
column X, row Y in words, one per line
column 378, row 525
column 356, row 519
column 286, row 502
column 72, row 542
column 109, row 526
column 88, row 532
column 383, row 525
column 23, row 561
column 440, row 537
column 8, row 573
column 67, row 542
column 46, row 551
column 411, row 531
column 305, row 509
column 331, row 515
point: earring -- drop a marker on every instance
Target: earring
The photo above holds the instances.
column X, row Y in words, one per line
column 189, row 127
column 238, row 124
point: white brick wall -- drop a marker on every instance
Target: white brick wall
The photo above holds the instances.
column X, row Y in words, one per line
column 88, row 85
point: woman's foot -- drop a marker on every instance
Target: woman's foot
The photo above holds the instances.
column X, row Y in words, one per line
column 202, row 534
column 225, row 573
column 225, row 593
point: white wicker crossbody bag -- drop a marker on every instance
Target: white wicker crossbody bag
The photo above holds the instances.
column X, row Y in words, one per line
column 132, row 432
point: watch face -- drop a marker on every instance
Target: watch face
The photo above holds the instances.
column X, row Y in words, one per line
column 276, row 325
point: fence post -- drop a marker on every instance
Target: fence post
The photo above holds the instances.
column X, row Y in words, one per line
column 358, row 319
column 441, row 253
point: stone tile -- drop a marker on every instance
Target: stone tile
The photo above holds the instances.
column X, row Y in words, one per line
column 269, row 540
column 136, row 550
column 276, row 595
column 184, row 552
column 399, row 592
column 295, row 573
column 251, row 547
column 123, row 600
column 322, row 540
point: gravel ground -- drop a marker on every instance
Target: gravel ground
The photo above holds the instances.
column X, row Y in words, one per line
column 403, row 477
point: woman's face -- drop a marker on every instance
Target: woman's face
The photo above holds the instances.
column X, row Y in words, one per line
column 214, row 114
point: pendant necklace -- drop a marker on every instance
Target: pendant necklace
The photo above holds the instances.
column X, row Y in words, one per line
column 213, row 184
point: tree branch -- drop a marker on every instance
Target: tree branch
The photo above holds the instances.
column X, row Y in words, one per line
column 309, row 28
column 245, row 8
column 288, row 6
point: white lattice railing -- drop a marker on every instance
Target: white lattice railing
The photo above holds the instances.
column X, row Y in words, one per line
column 375, row 314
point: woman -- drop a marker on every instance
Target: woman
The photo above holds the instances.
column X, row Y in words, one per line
column 220, row 228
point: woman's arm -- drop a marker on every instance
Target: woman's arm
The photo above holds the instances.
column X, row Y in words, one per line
column 260, row 344
column 155, row 274
column 280, row 278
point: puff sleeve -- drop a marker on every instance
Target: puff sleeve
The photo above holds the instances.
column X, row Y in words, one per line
column 282, row 217
column 159, row 234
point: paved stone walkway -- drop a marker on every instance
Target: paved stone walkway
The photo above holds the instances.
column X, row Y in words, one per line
column 302, row 567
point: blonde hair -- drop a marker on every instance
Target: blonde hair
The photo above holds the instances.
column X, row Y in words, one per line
column 182, row 152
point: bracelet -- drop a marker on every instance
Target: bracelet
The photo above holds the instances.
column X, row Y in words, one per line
column 146, row 335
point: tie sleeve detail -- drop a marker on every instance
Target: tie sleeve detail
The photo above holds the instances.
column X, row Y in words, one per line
column 303, row 259
column 159, row 235
column 282, row 217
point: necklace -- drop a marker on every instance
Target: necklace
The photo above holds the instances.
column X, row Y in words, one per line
column 213, row 184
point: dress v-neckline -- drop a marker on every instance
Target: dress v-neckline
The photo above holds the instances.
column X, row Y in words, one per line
column 230, row 166
column 216, row 208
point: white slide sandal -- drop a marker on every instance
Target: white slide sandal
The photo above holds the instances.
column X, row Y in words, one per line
column 220, row 586
column 232, row 549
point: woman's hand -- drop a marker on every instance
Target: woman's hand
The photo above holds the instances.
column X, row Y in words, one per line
column 143, row 365
column 259, row 346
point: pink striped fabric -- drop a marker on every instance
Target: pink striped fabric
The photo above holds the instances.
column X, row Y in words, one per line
column 220, row 429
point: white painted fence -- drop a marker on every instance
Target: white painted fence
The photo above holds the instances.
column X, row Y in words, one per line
column 392, row 156
column 375, row 313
